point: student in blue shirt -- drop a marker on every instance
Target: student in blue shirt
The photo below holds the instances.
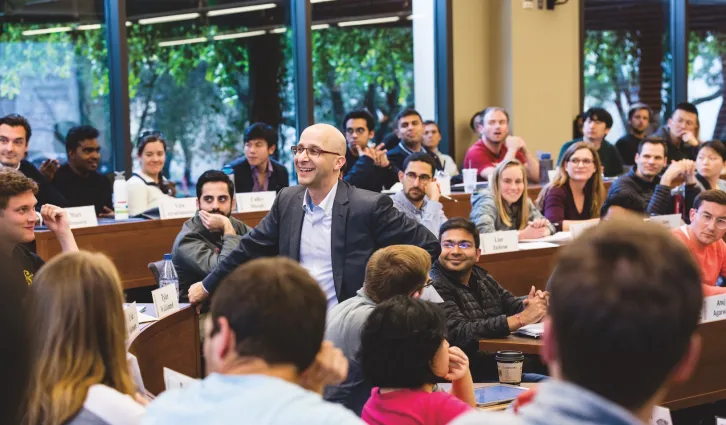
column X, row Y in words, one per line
column 266, row 360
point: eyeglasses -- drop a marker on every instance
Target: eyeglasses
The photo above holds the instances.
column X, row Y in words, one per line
column 583, row 161
column 708, row 219
column 460, row 244
column 428, row 283
column 423, row 178
column 358, row 131
column 313, row 151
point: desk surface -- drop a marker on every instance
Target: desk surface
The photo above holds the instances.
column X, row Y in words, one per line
column 708, row 383
column 171, row 342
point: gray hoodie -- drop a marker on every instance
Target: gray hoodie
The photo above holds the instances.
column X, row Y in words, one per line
column 557, row 403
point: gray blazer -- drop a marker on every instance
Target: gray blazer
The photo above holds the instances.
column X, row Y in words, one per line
column 363, row 221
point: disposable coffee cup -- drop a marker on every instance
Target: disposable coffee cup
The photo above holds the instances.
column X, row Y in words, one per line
column 509, row 364
column 444, row 185
column 469, row 179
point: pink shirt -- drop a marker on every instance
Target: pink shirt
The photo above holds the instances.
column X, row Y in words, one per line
column 711, row 261
column 412, row 407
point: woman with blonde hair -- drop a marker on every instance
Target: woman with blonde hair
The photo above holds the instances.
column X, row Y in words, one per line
column 80, row 373
column 577, row 192
column 505, row 205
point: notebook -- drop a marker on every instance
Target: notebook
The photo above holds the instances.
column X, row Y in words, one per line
column 496, row 394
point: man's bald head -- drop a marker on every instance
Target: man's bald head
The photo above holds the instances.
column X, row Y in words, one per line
column 329, row 137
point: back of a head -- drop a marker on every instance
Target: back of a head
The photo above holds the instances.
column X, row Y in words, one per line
column 276, row 310
column 260, row 130
column 399, row 341
column 626, row 298
column 624, row 200
column 77, row 331
column 396, row 270
column 78, row 134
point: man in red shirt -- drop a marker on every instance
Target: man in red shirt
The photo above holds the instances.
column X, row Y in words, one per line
column 704, row 238
column 497, row 145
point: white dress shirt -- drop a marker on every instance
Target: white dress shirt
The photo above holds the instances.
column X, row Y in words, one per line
column 315, row 243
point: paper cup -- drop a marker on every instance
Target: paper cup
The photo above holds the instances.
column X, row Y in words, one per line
column 444, row 185
column 469, row 179
column 509, row 364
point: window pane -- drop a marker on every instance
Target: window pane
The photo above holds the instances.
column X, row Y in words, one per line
column 206, row 72
column 706, row 55
column 627, row 57
column 54, row 72
column 362, row 65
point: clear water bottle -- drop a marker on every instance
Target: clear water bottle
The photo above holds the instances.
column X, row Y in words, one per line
column 120, row 197
column 168, row 274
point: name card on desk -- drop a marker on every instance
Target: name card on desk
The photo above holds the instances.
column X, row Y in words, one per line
column 493, row 243
column 671, row 221
column 174, row 379
column 255, row 201
column 165, row 300
column 660, row 416
column 132, row 319
column 577, row 229
column 79, row 217
column 177, row 207
column 714, row 308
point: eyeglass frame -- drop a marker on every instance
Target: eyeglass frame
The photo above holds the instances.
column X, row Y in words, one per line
column 458, row 244
column 420, row 177
column 310, row 154
column 708, row 221
column 581, row 161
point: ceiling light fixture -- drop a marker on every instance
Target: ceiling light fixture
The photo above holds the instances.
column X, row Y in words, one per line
column 181, row 42
column 88, row 27
column 243, row 9
column 46, row 31
column 239, row 35
column 319, row 27
column 170, row 18
column 278, row 30
column 370, row 21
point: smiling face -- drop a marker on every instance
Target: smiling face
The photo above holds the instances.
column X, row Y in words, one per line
column 453, row 257
column 581, row 165
column 651, row 159
column 152, row 158
column 323, row 170
column 86, row 156
column 17, row 220
column 511, row 184
column 709, row 163
column 495, row 127
column 13, row 145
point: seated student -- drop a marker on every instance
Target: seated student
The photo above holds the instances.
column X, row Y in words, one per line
column 419, row 198
column 17, row 222
column 497, row 145
column 366, row 167
column 505, row 205
column 80, row 373
column 432, row 138
column 410, row 129
column 639, row 117
column 612, row 286
column 148, row 186
column 258, row 171
column 597, row 125
column 393, row 270
column 681, row 133
column 704, row 238
column 644, row 183
column 209, row 236
column 265, row 355
column 404, row 353
column 621, row 205
column 79, row 180
column 476, row 306
column 577, row 192
column 710, row 161
column 14, row 141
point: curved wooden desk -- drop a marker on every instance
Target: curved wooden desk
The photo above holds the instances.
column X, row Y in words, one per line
column 171, row 342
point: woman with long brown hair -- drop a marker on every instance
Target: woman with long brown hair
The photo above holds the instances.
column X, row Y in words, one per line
column 79, row 371
column 577, row 192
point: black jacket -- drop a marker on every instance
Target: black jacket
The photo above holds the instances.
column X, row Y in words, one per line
column 684, row 151
column 363, row 222
column 655, row 197
column 362, row 173
column 94, row 189
column 627, row 147
column 47, row 194
column 473, row 312
column 243, row 181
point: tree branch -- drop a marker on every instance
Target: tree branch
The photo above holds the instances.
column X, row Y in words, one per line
column 718, row 93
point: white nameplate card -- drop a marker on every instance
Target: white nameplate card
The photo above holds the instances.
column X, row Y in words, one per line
column 255, row 201
column 720, row 421
column 177, row 207
column 174, row 379
column 132, row 320
column 165, row 301
column 660, row 416
column 670, row 221
column 493, row 243
column 714, row 308
column 577, row 229
column 79, row 217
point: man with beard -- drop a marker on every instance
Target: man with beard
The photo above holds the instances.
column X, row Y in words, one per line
column 78, row 180
column 476, row 306
column 653, row 192
column 419, row 198
column 498, row 145
column 704, row 238
column 207, row 238
column 639, row 117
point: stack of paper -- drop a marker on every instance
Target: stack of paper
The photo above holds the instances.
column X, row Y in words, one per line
column 534, row 330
